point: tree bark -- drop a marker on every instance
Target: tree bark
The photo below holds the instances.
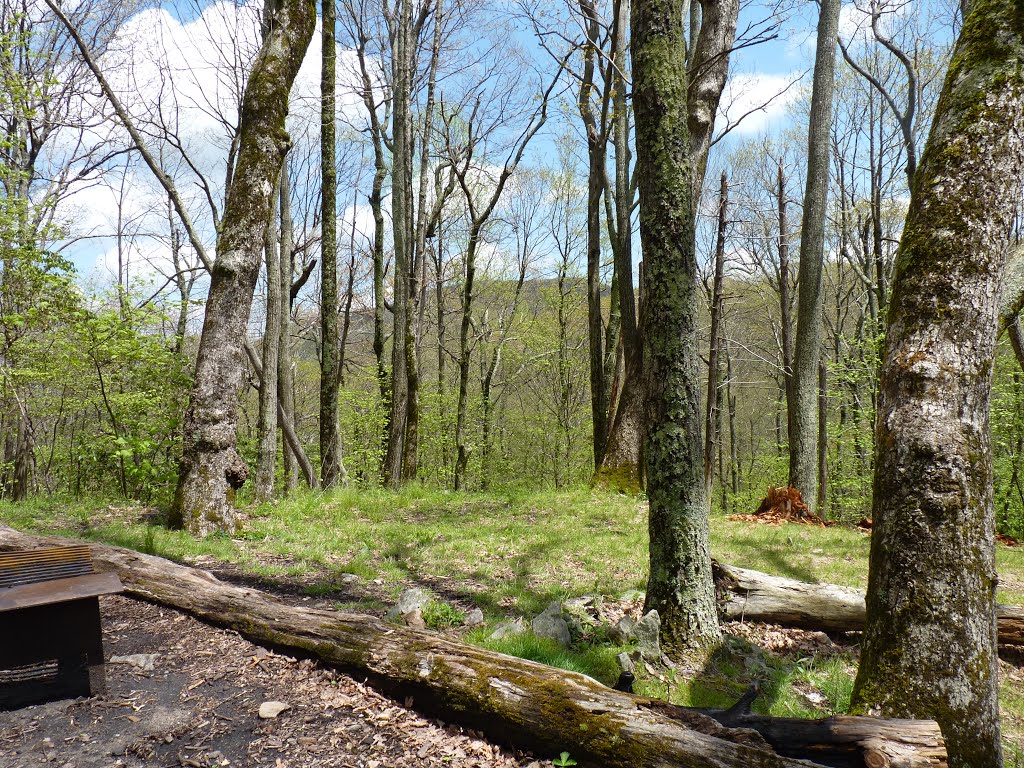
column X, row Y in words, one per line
column 679, row 586
column 596, row 142
column 401, row 218
column 266, row 466
column 708, row 65
column 746, row 595
column 711, row 403
column 930, row 642
column 330, row 439
column 708, row 68
column 803, row 436
column 294, row 457
column 785, row 310
column 512, row 699
column 211, row 469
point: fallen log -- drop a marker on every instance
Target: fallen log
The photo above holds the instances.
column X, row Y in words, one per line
column 511, row 699
column 746, row 595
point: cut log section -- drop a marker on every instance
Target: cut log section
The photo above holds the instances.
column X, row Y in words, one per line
column 746, row 595
column 513, row 700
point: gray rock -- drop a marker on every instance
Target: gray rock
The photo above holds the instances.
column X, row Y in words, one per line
column 552, row 625
column 582, row 611
column 632, row 595
column 414, row 619
column 271, row 709
column 143, row 661
column 626, row 663
column 623, row 631
column 410, row 600
column 647, row 632
column 507, row 629
column 474, row 618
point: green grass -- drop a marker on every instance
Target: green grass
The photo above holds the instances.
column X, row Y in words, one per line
column 512, row 554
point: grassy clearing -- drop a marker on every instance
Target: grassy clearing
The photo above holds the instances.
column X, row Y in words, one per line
column 512, row 554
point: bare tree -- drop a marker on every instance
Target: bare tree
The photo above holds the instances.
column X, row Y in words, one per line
column 803, row 467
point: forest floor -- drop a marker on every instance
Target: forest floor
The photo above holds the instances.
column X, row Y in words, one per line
column 508, row 554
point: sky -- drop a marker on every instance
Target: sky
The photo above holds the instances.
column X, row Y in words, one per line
column 185, row 43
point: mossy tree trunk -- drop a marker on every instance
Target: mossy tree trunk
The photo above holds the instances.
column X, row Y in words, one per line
column 803, row 425
column 680, row 584
column 211, row 469
column 713, row 33
column 929, row 646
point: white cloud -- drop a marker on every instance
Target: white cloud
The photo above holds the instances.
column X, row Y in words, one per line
column 187, row 75
column 755, row 100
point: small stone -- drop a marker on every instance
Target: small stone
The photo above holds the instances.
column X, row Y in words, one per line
column 414, row 619
column 474, row 618
column 623, row 631
column 411, row 600
column 647, row 632
column 271, row 709
column 626, row 663
column 632, row 595
column 143, row 661
column 552, row 625
column 507, row 629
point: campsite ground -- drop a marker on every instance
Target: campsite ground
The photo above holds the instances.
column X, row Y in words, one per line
column 508, row 554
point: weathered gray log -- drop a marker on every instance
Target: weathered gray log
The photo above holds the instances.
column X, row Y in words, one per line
column 755, row 596
column 511, row 699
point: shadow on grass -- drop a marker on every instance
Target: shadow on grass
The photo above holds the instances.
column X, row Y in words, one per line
column 757, row 547
column 488, row 592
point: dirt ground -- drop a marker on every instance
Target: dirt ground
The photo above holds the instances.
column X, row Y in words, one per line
column 199, row 707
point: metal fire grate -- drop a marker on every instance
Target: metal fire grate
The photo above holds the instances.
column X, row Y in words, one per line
column 34, row 566
column 51, row 644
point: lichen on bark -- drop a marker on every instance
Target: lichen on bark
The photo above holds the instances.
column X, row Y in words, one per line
column 680, row 584
column 929, row 646
column 211, row 469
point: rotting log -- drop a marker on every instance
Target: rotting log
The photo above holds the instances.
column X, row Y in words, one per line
column 745, row 595
column 513, row 700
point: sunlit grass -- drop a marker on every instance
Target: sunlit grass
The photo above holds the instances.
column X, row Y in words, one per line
column 512, row 554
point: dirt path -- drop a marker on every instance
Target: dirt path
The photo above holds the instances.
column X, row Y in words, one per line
column 199, row 706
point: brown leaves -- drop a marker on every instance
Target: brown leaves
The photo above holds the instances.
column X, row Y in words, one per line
column 783, row 504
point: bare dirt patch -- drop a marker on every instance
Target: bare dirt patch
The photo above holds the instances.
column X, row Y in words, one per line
column 198, row 708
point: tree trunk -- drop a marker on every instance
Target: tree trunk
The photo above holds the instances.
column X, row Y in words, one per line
column 711, row 404
column 620, row 468
column 713, row 33
column 822, row 435
column 785, row 312
column 679, row 586
column 266, row 466
column 596, row 141
column 511, row 699
column 285, row 377
column 330, row 440
column 211, row 469
column 462, row 446
column 746, row 595
column 803, row 467
column 929, row 647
